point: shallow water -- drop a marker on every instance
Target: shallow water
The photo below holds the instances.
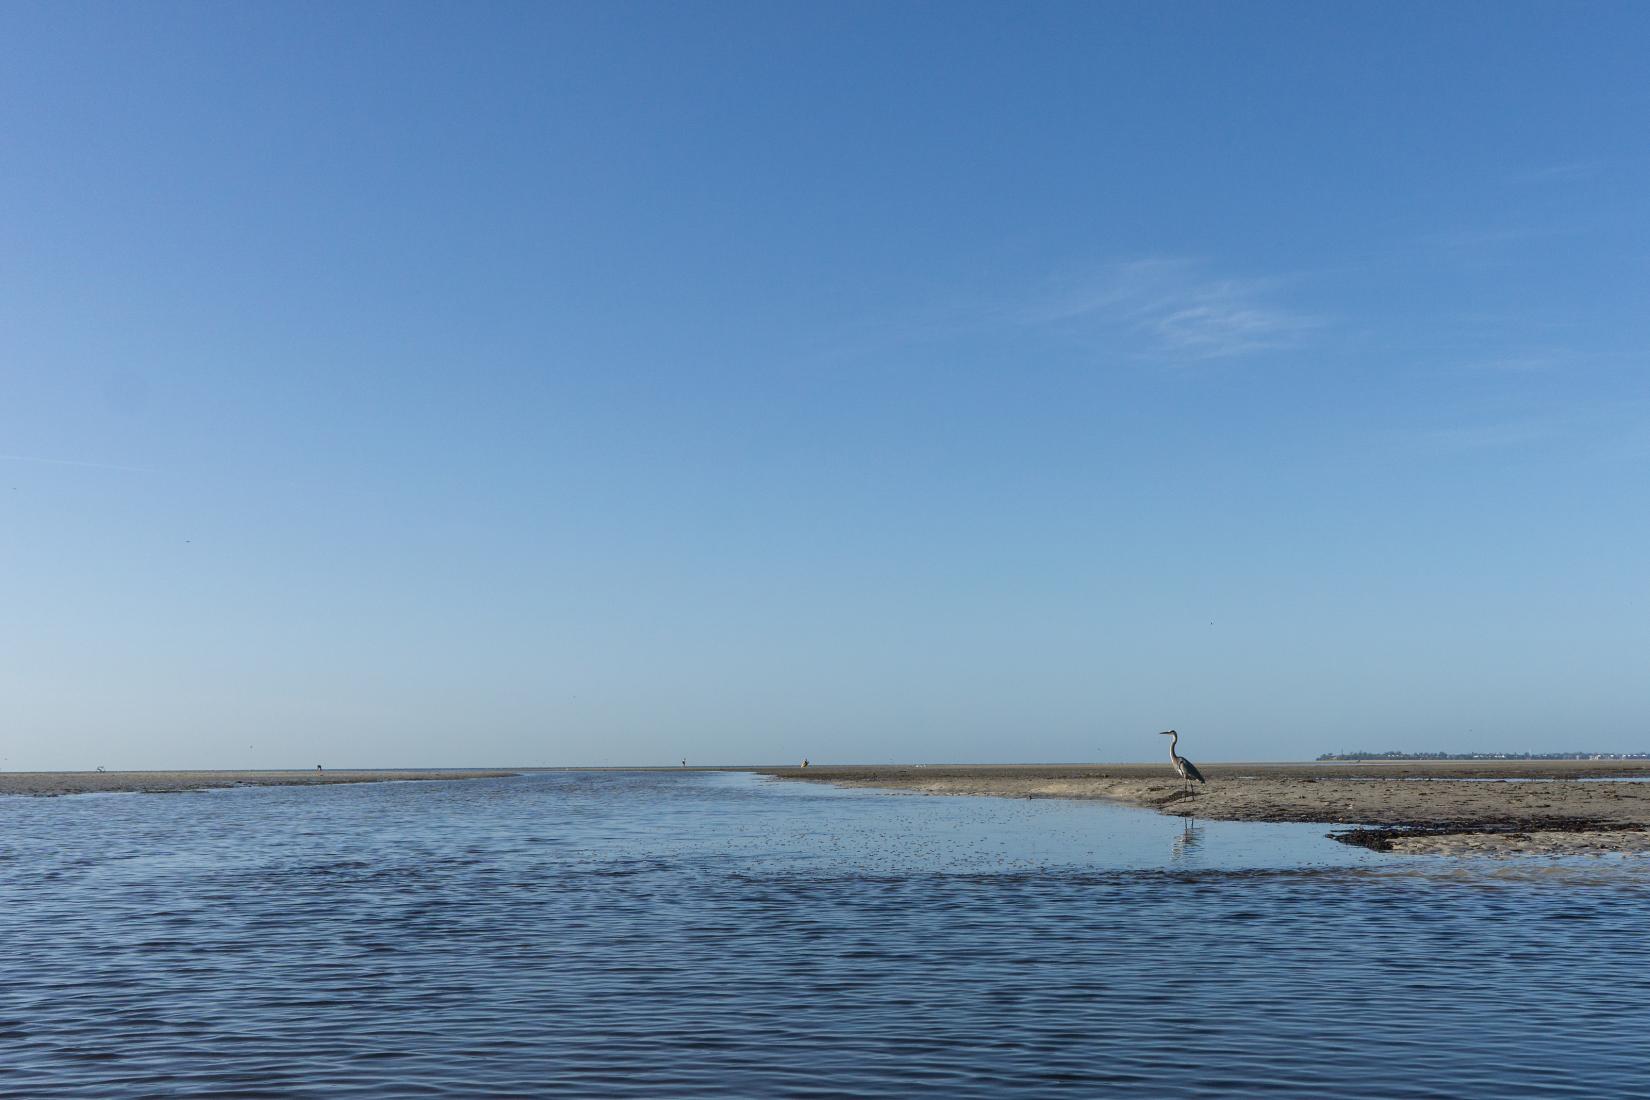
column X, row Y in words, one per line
column 703, row 934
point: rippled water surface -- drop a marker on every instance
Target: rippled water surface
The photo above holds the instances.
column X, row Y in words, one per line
column 702, row 934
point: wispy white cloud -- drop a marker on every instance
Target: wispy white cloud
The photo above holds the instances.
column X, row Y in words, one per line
column 1567, row 172
column 1586, row 430
column 1172, row 309
column 1545, row 357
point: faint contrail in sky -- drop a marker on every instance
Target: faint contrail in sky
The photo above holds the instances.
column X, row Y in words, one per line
column 75, row 462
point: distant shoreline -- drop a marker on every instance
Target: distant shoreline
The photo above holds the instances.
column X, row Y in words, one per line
column 48, row 784
column 1422, row 806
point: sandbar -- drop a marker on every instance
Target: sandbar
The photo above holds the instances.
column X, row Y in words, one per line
column 1489, row 807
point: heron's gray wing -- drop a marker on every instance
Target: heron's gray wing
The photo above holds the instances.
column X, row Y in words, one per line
column 1191, row 770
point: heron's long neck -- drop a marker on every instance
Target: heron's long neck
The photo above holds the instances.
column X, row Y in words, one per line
column 1174, row 739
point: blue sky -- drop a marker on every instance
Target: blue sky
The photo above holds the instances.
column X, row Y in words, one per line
column 453, row 384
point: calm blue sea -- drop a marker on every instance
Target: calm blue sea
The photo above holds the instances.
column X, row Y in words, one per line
column 704, row 934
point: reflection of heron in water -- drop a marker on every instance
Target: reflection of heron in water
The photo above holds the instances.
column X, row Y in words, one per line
column 1190, row 838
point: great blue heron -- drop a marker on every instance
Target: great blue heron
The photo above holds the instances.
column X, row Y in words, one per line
column 1183, row 767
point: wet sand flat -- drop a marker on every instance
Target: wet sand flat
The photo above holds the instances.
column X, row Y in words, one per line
column 1442, row 807
column 171, row 782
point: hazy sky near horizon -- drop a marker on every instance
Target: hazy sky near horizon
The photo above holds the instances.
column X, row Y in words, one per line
column 610, row 383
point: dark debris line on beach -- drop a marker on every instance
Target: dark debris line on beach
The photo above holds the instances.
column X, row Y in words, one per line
column 1380, row 838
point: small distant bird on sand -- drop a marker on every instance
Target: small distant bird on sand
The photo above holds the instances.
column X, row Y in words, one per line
column 1183, row 767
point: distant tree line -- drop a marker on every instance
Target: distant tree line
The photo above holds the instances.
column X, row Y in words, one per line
column 1395, row 754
